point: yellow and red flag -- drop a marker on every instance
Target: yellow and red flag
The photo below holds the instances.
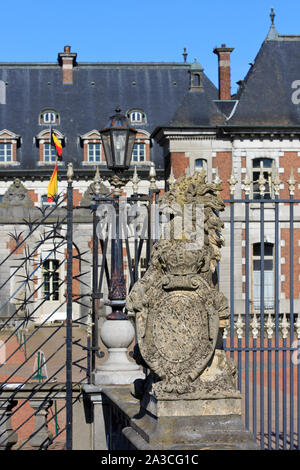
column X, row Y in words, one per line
column 52, row 186
column 57, row 145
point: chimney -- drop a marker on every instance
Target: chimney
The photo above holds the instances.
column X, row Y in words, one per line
column 67, row 60
column 223, row 54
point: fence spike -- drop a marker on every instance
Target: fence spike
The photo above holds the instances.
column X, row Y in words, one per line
column 70, row 172
column 232, row 182
column 292, row 182
column 247, row 184
column 270, row 326
column 171, row 180
column 152, row 175
column 217, row 179
column 297, row 325
column 97, row 181
column 276, row 182
column 284, row 324
column 255, row 325
column 240, row 326
column 135, row 180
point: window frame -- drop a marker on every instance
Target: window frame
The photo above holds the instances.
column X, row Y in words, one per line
column 132, row 116
column 48, row 296
column 47, row 122
column 138, row 145
column 267, row 257
column 204, row 165
column 94, row 145
column 267, row 173
column 5, row 153
column 52, row 153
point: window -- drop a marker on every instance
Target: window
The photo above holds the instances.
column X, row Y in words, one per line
column 200, row 164
column 50, row 154
column 51, row 279
column 5, row 152
column 268, row 276
column 136, row 116
column 139, row 153
column 263, row 165
column 45, row 201
column 196, row 79
column 49, row 117
column 94, row 152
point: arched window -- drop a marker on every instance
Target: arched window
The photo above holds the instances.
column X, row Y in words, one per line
column 196, row 79
column 268, row 275
column 49, row 116
column 136, row 116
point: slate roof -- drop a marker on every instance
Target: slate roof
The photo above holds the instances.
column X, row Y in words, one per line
column 265, row 98
column 198, row 108
column 87, row 104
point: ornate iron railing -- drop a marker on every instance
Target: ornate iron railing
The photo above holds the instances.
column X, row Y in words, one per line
column 265, row 342
column 40, row 355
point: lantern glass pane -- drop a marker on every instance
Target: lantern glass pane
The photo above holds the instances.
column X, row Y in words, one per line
column 119, row 140
column 107, row 149
column 131, row 140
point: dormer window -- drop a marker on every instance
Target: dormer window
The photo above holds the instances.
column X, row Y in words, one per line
column 141, row 148
column 94, row 152
column 92, row 148
column 5, row 153
column 47, row 152
column 49, row 117
column 196, row 79
column 196, row 76
column 9, row 142
column 136, row 116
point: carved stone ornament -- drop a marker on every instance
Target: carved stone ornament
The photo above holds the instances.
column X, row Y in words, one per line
column 16, row 195
column 87, row 197
column 179, row 311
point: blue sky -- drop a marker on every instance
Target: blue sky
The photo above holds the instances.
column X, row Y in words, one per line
column 146, row 31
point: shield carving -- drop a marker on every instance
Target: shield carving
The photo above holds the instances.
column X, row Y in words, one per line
column 181, row 334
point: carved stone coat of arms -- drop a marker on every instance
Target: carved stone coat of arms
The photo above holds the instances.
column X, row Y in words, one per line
column 179, row 310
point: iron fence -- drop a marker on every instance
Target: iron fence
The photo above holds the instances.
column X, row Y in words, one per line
column 39, row 356
column 263, row 336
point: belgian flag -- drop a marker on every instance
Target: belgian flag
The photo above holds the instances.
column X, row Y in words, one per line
column 57, row 145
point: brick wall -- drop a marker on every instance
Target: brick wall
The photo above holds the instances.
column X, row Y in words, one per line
column 179, row 163
column 223, row 162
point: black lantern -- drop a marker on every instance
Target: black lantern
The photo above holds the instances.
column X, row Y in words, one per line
column 118, row 141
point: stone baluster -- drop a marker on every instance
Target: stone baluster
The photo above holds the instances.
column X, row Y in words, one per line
column 8, row 437
column 41, row 438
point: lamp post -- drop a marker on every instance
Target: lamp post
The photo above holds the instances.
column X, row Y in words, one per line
column 117, row 331
column 118, row 141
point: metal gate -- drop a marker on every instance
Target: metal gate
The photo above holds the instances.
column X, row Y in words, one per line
column 263, row 336
column 42, row 345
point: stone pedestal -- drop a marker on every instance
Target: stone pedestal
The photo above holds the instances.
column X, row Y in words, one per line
column 187, row 429
column 221, row 406
column 117, row 335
